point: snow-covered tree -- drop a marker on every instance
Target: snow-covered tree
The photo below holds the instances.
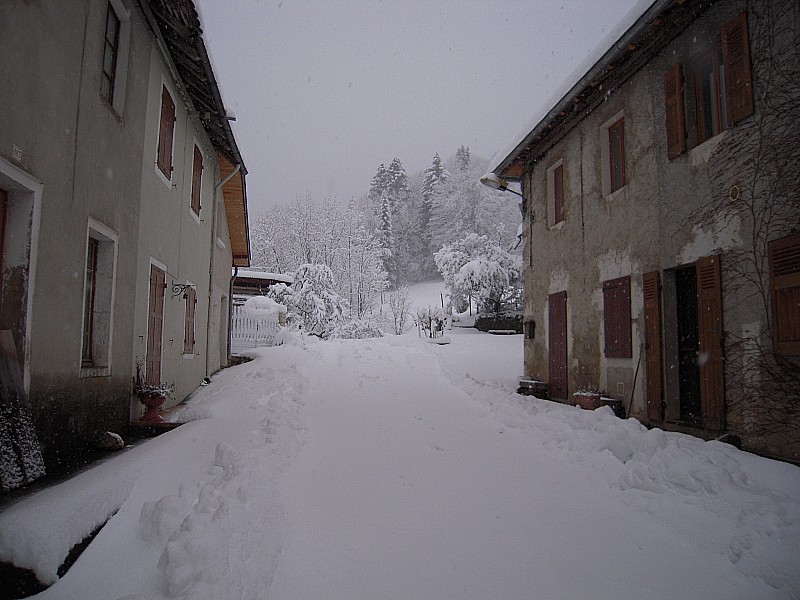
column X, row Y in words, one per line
column 462, row 205
column 312, row 301
column 363, row 276
column 463, row 158
column 477, row 267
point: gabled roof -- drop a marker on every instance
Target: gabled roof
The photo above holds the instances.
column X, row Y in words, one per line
column 656, row 24
column 176, row 25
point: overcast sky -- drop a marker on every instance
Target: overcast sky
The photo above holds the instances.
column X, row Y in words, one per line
column 324, row 91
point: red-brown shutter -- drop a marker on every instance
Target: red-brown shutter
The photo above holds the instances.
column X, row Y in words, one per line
column 709, row 318
column 189, row 321
column 3, row 210
column 155, row 324
column 197, row 179
column 673, row 101
column 738, row 74
column 784, row 265
column 558, row 194
column 165, row 133
column 651, row 284
column 557, row 338
column 617, row 317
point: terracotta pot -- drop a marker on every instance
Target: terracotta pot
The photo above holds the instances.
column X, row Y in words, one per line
column 153, row 403
column 586, row 400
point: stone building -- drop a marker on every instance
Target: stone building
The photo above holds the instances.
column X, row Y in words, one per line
column 662, row 224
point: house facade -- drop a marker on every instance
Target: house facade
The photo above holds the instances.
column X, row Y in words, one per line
column 662, row 225
column 84, row 218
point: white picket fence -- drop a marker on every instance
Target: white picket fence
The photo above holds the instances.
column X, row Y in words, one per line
column 249, row 330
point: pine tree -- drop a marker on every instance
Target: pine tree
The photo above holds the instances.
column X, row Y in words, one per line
column 386, row 238
column 462, row 155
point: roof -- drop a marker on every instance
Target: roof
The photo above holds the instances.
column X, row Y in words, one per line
column 176, row 24
column 647, row 29
column 263, row 276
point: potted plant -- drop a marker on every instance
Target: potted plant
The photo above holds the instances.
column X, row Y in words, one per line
column 152, row 395
column 587, row 399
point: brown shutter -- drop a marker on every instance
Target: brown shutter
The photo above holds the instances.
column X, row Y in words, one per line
column 189, row 321
column 651, row 284
column 784, row 265
column 617, row 317
column 155, row 324
column 709, row 318
column 673, row 101
column 738, row 75
column 197, row 178
column 557, row 339
column 165, row 133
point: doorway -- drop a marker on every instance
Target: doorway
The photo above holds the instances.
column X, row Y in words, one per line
column 557, row 339
column 688, row 344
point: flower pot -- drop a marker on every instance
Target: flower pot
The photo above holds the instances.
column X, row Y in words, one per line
column 153, row 403
column 587, row 400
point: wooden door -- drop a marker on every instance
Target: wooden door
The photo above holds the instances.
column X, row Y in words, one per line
column 155, row 325
column 710, row 358
column 651, row 284
column 558, row 345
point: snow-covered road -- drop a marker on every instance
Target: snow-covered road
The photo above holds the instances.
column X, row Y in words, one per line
column 393, row 468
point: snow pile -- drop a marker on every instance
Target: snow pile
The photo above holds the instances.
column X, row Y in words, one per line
column 357, row 329
column 35, row 535
column 264, row 306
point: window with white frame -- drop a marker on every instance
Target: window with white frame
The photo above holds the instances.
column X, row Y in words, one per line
column 612, row 154
column 115, row 55
column 98, row 300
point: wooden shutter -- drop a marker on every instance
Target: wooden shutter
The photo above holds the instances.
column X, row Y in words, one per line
column 709, row 318
column 651, row 284
column 784, row 266
column 155, row 324
column 165, row 133
column 189, row 321
column 738, row 74
column 197, row 179
column 558, row 194
column 617, row 317
column 3, row 211
column 673, row 101
column 557, row 338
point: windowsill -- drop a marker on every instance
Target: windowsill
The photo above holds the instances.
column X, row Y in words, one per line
column 220, row 243
column 701, row 153
column 195, row 216
column 611, row 196
column 162, row 177
column 187, row 356
column 87, row 372
column 558, row 226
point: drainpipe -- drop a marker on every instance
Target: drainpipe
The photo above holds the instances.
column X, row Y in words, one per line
column 217, row 188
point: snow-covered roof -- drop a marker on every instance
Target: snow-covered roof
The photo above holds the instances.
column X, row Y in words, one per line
column 253, row 274
column 621, row 42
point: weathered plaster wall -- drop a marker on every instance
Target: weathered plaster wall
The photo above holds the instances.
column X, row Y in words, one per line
column 86, row 157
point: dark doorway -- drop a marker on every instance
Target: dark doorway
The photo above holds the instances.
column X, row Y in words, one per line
column 688, row 344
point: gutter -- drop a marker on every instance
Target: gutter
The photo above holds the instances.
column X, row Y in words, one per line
column 217, row 189
column 642, row 23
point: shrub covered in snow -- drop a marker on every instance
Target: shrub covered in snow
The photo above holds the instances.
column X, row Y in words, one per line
column 312, row 301
column 357, row 329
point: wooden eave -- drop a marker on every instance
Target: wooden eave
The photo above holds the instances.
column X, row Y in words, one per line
column 234, row 195
column 616, row 66
column 178, row 25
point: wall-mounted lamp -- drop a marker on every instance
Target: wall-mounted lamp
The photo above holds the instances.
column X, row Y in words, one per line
column 498, row 183
column 179, row 289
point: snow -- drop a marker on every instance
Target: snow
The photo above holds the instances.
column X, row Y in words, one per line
column 263, row 305
column 394, row 468
column 253, row 274
column 594, row 56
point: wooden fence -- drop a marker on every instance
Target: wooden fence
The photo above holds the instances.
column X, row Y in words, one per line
column 250, row 330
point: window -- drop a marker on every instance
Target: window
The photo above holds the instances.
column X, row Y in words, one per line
column 98, row 300
column 197, row 180
column 89, row 286
column 712, row 114
column 116, row 44
column 722, row 87
column 555, row 194
column 617, row 317
column 784, row 262
column 166, row 133
column 110, row 52
column 189, row 318
column 616, row 154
